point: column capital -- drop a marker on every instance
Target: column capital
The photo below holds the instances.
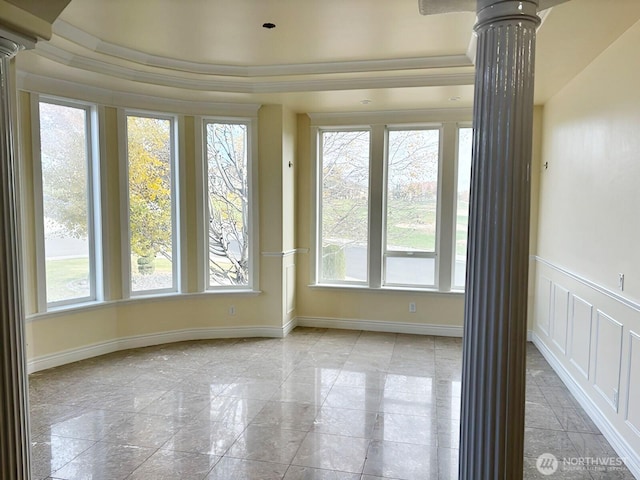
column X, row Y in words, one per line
column 490, row 11
column 435, row 7
column 9, row 48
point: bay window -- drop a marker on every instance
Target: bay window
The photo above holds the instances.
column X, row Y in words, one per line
column 392, row 205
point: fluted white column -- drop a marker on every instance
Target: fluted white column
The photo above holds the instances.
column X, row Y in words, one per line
column 14, row 429
column 493, row 374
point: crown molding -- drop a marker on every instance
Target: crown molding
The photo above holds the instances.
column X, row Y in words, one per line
column 460, row 114
column 246, row 85
column 90, row 42
column 64, row 88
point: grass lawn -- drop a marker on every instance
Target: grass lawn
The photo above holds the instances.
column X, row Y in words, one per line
column 67, row 278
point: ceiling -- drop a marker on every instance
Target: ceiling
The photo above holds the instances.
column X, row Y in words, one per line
column 329, row 56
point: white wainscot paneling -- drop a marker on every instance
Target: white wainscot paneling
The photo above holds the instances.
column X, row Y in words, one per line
column 608, row 358
column 633, row 389
column 580, row 336
column 543, row 304
column 560, row 319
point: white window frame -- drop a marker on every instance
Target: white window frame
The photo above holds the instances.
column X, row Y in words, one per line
column 203, row 204
column 94, row 230
column 318, row 213
column 411, row 254
column 448, row 121
column 176, row 224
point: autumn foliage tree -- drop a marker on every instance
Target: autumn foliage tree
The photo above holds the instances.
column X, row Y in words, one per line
column 149, row 155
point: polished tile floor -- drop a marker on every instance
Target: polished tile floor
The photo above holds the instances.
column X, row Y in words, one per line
column 317, row 405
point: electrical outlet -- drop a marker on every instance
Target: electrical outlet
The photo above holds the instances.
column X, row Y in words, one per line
column 412, row 307
column 621, row 281
column 232, row 310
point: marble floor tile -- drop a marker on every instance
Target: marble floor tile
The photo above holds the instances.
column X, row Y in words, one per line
column 345, row 422
column 395, row 427
column 212, row 438
column 104, row 461
column 231, row 410
column 287, row 415
column 408, row 403
column 539, row 415
column 43, row 415
column 245, row 387
column 178, row 404
column 574, row 420
column 314, row 375
column 128, row 399
column 172, row 465
column 269, row 444
column 143, row 430
column 292, row 391
column 89, row 424
column 591, row 445
column 307, row 473
column 417, row 384
column 229, row 468
column 359, row 379
column 354, row 398
column 332, row 452
column 401, row 460
column 55, row 452
column 538, row 441
column 317, row 405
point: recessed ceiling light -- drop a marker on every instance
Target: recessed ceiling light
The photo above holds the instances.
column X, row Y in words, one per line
column 366, row 101
column 269, row 25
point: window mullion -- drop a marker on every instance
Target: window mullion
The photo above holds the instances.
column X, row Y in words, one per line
column 376, row 204
column 446, row 201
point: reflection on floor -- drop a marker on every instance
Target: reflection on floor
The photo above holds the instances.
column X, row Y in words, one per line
column 319, row 404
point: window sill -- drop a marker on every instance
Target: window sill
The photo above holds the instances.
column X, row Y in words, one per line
column 99, row 304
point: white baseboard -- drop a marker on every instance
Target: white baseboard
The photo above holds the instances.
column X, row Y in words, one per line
column 68, row 356
column 619, row 444
column 290, row 325
column 138, row 341
column 380, row 326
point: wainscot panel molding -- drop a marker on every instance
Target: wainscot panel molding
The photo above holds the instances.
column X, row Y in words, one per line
column 580, row 334
column 590, row 335
column 560, row 319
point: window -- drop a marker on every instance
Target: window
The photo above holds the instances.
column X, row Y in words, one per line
column 389, row 211
column 344, row 206
column 228, row 216
column 411, row 207
column 65, row 163
column 151, row 204
column 462, row 205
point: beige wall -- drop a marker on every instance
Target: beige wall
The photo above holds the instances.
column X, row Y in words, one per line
column 589, row 231
column 589, row 194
